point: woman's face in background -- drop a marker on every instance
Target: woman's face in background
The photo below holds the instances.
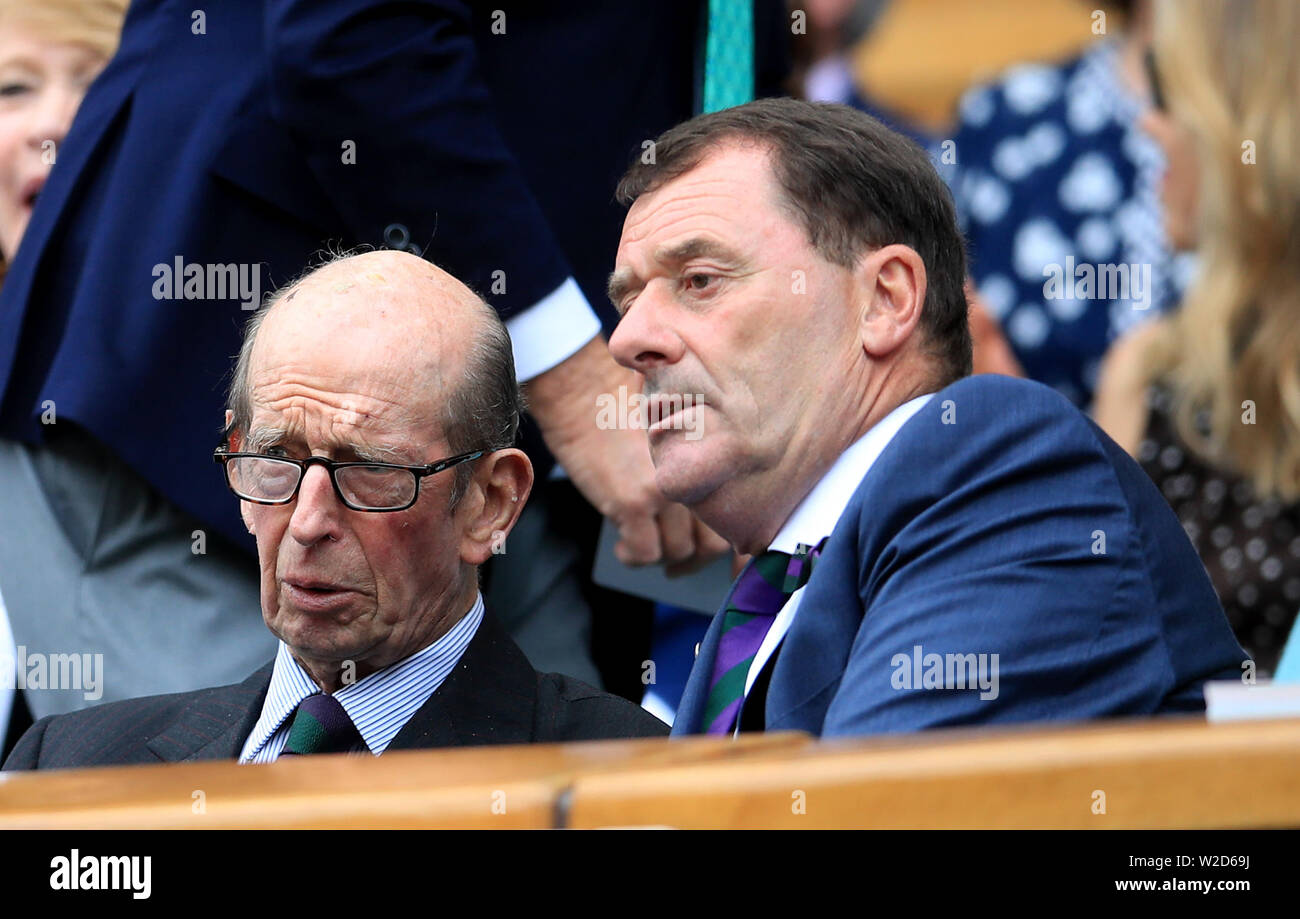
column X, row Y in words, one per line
column 41, row 84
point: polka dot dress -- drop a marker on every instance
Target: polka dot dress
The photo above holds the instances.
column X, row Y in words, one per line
column 1053, row 177
column 1250, row 547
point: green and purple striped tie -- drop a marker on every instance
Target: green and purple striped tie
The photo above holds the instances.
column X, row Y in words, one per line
column 761, row 590
column 320, row 725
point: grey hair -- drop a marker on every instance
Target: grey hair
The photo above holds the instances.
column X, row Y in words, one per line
column 481, row 413
column 239, row 401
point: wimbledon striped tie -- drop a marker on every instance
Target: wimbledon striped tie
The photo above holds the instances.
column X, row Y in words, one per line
column 729, row 55
column 320, row 725
column 761, row 590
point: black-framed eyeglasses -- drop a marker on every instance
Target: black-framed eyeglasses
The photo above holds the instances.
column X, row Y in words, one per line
column 372, row 487
column 1158, row 100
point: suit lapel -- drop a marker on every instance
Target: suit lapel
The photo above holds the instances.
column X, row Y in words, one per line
column 803, row 681
column 490, row 698
column 216, row 724
column 816, row 649
column 696, row 694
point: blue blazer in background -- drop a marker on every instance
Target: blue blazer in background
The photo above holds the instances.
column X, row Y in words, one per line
column 998, row 521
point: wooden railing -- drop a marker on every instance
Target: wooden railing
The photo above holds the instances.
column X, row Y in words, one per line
column 1163, row 773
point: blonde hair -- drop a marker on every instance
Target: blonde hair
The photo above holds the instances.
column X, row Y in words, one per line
column 1231, row 75
column 95, row 24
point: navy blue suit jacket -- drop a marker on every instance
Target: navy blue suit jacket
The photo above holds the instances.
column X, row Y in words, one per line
column 998, row 521
column 493, row 150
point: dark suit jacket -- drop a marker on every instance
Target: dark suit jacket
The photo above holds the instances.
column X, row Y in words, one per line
column 492, row 697
column 998, row 521
column 492, row 142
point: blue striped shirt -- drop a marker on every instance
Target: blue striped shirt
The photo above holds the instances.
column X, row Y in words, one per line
column 379, row 704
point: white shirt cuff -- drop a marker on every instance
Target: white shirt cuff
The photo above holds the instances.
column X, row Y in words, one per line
column 551, row 330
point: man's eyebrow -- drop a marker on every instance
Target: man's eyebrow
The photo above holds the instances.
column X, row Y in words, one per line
column 380, row 453
column 622, row 282
column 259, row 439
column 619, row 286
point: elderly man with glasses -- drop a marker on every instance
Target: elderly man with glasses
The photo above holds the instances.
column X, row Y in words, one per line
column 369, row 439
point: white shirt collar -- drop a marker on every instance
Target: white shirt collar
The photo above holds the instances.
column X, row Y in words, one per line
column 379, row 704
column 820, row 510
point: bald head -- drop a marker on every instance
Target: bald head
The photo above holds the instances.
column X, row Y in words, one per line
column 385, row 298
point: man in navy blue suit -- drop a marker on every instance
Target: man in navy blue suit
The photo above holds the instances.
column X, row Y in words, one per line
column 220, row 150
column 931, row 548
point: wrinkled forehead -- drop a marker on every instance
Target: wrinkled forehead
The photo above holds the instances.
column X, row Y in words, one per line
column 731, row 190
column 346, row 363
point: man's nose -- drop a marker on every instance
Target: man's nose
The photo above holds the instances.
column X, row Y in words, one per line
column 645, row 337
column 318, row 512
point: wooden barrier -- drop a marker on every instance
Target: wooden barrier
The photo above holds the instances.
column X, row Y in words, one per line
column 1178, row 772
column 1168, row 773
column 513, row 787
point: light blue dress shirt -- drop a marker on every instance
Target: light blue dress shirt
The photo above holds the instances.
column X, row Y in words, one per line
column 379, row 705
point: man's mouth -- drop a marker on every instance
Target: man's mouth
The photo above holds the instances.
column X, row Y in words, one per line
column 316, row 595
column 668, row 412
column 663, row 406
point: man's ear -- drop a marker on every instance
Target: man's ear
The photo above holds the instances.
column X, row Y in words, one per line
column 491, row 504
column 891, row 286
column 233, row 445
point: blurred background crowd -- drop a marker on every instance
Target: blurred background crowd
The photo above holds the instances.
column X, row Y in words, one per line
column 1160, row 141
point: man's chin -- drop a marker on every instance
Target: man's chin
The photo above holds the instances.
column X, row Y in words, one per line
column 683, row 481
column 319, row 636
column 324, row 657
